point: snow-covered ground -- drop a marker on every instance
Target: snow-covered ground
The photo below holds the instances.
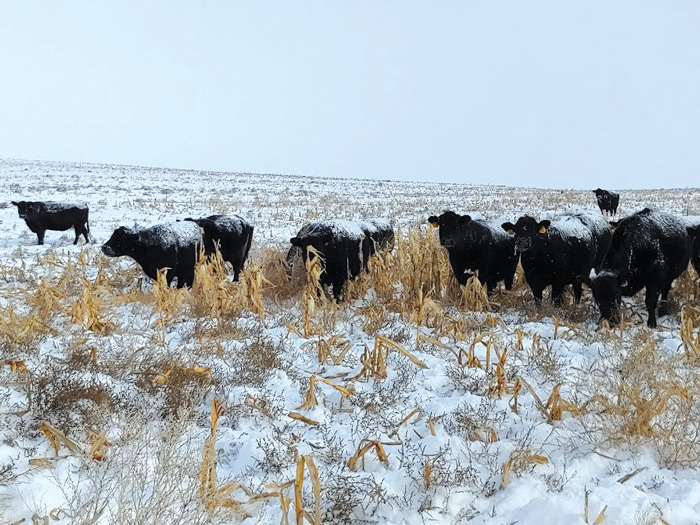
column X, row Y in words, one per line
column 469, row 436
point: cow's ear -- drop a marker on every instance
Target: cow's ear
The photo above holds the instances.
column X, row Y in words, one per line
column 465, row 219
column 296, row 241
column 508, row 226
column 434, row 221
column 543, row 226
column 15, row 203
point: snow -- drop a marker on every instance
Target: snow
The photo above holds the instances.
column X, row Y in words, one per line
column 339, row 228
column 182, row 233
column 54, row 207
column 256, row 441
column 571, row 227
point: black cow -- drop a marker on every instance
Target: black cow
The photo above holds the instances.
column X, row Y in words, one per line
column 232, row 234
column 174, row 246
column 648, row 250
column 380, row 233
column 61, row 216
column 694, row 232
column 554, row 253
column 602, row 235
column 344, row 246
column 477, row 246
column 607, row 201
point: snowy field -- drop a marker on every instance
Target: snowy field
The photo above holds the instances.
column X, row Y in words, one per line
column 427, row 404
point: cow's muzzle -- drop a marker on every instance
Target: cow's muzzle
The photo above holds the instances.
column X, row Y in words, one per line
column 108, row 250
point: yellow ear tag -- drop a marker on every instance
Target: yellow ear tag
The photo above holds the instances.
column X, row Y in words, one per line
column 543, row 230
column 510, row 232
column 434, row 224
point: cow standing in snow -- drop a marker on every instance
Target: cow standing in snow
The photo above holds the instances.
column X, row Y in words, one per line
column 231, row 234
column 344, row 247
column 477, row 246
column 554, row 253
column 648, row 250
column 60, row 216
column 172, row 246
column 607, row 201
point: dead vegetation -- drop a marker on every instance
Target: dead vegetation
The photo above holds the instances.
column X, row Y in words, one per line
column 145, row 350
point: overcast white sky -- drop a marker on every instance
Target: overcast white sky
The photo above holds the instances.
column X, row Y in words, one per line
column 551, row 94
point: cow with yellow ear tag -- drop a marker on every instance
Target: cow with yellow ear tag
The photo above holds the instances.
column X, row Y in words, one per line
column 477, row 246
column 554, row 253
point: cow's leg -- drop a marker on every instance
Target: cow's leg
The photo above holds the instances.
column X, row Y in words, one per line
column 578, row 289
column 78, row 231
column 557, row 289
column 663, row 304
column 537, row 292
column 338, row 282
column 40, row 235
column 185, row 278
column 651, row 302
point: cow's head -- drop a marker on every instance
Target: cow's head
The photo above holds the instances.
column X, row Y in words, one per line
column 526, row 230
column 607, row 292
column 599, row 192
column 121, row 242
column 694, row 231
column 25, row 208
column 451, row 227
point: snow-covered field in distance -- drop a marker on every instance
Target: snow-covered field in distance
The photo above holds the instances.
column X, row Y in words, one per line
column 630, row 440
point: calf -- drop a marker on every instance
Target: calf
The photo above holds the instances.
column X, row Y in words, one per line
column 648, row 250
column 172, row 246
column 607, row 201
column 554, row 253
column 61, row 216
column 477, row 246
column 344, row 246
column 232, row 235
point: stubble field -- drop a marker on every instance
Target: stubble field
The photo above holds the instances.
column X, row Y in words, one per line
column 415, row 401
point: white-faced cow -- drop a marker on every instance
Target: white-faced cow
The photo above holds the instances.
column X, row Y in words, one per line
column 607, row 201
column 231, row 234
column 649, row 249
column 477, row 246
column 60, row 216
column 172, row 246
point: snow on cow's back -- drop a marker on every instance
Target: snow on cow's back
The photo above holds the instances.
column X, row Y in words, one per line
column 380, row 223
column 572, row 227
column 55, row 207
column 182, row 233
column 338, row 228
column 231, row 223
column 493, row 226
column 594, row 222
column 666, row 224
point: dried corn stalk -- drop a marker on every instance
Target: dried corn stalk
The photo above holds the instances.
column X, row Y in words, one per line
column 311, row 400
column 57, row 438
column 363, row 449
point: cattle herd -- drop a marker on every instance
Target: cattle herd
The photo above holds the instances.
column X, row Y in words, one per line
column 648, row 249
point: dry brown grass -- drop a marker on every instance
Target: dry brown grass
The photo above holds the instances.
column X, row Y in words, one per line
column 651, row 400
